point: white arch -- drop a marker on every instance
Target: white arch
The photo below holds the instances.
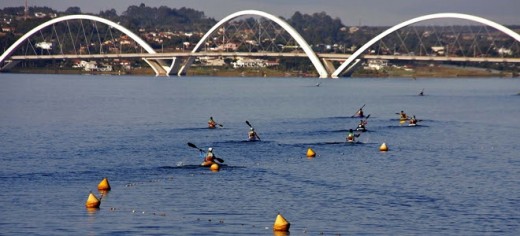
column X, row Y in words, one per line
column 299, row 39
column 136, row 38
column 419, row 19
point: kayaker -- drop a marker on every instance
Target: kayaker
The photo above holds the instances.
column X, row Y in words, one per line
column 402, row 116
column 421, row 93
column 351, row 137
column 362, row 124
column 413, row 121
column 252, row 135
column 211, row 123
column 359, row 113
column 209, row 158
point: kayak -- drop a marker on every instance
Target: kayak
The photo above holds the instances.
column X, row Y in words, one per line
column 207, row 163
column 412, row 125
column 252, row 139
column 362, row 129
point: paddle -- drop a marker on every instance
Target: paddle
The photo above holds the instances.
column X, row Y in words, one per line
column 358, row 110
column 216, row 158
column 249, row 124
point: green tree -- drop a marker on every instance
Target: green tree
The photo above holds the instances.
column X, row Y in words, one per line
column 73, row 11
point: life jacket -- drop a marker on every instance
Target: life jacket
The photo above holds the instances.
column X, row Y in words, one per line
column 350, row 137
column 209, row 157
column 252, row 135
column 211, row 124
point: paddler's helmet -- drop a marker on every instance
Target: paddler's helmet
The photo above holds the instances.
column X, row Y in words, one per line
column 210, row 149
column 252, row 129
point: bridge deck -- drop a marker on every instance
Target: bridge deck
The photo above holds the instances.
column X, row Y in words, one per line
column 326, row 56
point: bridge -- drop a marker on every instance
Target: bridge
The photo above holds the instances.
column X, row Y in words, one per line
column 177, row 63
column 326, row 56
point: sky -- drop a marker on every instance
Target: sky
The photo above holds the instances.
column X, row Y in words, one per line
column 351, row 12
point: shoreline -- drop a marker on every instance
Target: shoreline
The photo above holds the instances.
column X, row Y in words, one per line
column 418, row 72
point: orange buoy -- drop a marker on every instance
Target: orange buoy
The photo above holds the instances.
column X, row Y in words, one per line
column 281, row 224
column 214, row 167
column 311, row 153
column 383, row 147
column 104, row 185
column 92, row 201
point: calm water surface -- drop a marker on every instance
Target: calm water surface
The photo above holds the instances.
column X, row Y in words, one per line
column 458, row 173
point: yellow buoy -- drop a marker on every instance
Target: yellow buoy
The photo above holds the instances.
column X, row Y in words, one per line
column 281, row 224
column 383, row 147
column 311, row 153
column 214, row 167
column 92, row 201
column 104, row 185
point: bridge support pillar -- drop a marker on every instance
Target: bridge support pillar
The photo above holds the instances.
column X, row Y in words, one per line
column 174, row 67
column 157, row 66
column 348, row 72
column 9, row 65
column 162, row 67
column 187, row 64
column 329, row 67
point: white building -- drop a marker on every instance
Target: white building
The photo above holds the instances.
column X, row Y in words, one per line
column 92, row 66
column 210, row 61
column 505, row 51
column 44, row 45
column 249, row 63
column 438, row 50
column 376, row 64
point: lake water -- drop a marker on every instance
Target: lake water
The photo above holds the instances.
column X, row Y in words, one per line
column 458, row 173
